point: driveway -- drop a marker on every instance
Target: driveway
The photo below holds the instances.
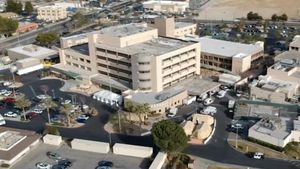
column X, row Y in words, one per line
column 217, row 149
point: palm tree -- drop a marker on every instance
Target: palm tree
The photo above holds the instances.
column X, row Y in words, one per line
column 23, row 103
column 128, row 105
column 141, row 110
column 49, row 104
column 66, row 109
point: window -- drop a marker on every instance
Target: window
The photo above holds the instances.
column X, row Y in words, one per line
column 89, row 69
column 82, row 60
column 144, row 63
column 88, row 61
column 147, row 88
column 76, row 65
column 82, row 67
column 68, row 56
column 69, row 63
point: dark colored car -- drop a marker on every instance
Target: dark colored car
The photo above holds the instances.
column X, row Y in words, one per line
column 31, row 115
column 66, row 163
column 57, row 166
column 53, row 156
column 105, row 163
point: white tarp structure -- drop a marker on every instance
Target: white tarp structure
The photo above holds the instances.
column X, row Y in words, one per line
column 229, row 79
column 188, row 127
column 52, row 139
column 201, row 118
column 132, row 150
column 108, row 97
column 30, row 69
column 91, row 146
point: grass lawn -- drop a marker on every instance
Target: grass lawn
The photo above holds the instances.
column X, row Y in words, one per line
column 244, row 146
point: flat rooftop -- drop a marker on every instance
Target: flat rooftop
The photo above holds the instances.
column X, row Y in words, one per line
column 278, row 129
column 196, row 86
column 82, row 48
column 224, row 48
column 153, row 97
column 125, row 30
column 292, row 55
column 278, row 85
column 77, row 36
column 18, row 140
column 33, row 51
column 157, row 47
column 183, row 24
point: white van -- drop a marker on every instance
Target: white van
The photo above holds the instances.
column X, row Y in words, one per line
column 172, row 112
column 2, row 120
column 221, row 94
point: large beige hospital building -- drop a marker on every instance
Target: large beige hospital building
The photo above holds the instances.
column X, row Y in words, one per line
column 130, row 56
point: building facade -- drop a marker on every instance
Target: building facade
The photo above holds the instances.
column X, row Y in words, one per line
column 51, row 13
column 132, row 56
column 166, row 6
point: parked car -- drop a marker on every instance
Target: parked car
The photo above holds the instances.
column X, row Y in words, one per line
column 67, row 163
column 8, row 93
column 38, row 111
column 258, row 155
column 210, row 110
column 172, row 112
column 239, row 93
column 103, row 167
column 66, row 102
column 221, row 94
column 106, row 163
column 42, row 97
column 83, row 118
column 10, row 114
column 7, row 83
column 57, row 166
column 53, row 155
column 208, row 101
column 43, row 165
column 9, row 100
column 31, row 115
column 3, row 91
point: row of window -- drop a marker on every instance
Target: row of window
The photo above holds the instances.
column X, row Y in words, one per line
column 78, row 59
column 114, row 68
column 79, row 66
column 144, row 71
column 177, row 56
column 178, row 72
column 114, row 61
column 113, row 53
column 179, row 64
column 178, row 80
column 215, row 58
column 115, row 76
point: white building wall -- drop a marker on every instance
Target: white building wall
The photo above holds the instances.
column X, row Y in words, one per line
column 132, row 150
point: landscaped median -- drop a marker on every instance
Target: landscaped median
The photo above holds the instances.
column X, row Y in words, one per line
column 246, row 146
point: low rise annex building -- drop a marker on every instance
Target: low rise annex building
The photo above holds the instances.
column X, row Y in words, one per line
column 166, row 6
column 230, row 57
column 131, row 56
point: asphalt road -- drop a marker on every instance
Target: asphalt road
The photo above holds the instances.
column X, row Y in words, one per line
column 217, row 148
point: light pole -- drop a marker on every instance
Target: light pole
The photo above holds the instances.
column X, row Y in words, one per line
column 120, row 129
column 12, row 70
column 53, row 94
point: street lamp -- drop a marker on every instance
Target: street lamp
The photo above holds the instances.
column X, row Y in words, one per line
column 12, row 70
column 119, row 117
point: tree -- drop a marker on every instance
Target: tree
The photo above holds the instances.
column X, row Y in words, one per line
column 23, row 103
column 66, row 110
column 13, row 6
column 28, row 8
column 51, row 130
column 169, row 136
column 253, row 16
column 49, row 104
column 78, row 19
column 274, row 17
column 284, row 17
column 46, row 39
column 8, row 26
column 141, row 110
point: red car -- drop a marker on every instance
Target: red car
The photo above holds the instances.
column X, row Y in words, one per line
column 9, row 100
column 31, row 115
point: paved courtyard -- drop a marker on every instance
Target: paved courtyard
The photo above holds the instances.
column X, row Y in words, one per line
column 81, row 159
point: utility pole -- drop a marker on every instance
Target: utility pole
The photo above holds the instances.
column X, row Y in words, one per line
column 53, row 94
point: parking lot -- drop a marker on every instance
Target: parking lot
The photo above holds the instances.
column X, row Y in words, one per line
column 80, row 159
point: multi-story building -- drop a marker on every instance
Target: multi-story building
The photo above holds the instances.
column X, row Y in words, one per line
column 166, row 6
column 51, row 13
column 132, row 56
column 167, row 27
column 295, row 44
column 228, row 56
column 282, row 81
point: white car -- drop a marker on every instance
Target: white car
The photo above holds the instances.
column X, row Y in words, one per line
column 7, row 83
column 85, row 106
column 210, row 110
column 66, row 102
column 42, row 165
column 83, row 117
column 39, row 111
column 8, row 93
column 258, row 155
column 208, row 101
column 41, row 97
column 221, row 94
column 11, row 114
column 3, row 91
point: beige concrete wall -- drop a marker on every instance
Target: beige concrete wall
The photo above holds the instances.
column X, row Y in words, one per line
column 91, row 146
column 66, row 43
column 285, row 76
column 295, row 136
column 267, row 138
column 274, row 97
column 132, row 150
column 165, row 26
column 241, row 64
column 187, row 30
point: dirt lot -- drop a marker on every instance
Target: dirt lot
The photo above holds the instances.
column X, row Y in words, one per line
column 231, row 9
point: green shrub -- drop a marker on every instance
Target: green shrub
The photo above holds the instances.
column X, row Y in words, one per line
column 277, row 148
column 5, row 165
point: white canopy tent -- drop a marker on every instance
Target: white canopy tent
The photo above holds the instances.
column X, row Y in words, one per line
column 108, row 97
